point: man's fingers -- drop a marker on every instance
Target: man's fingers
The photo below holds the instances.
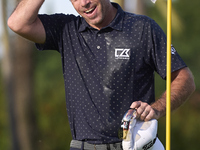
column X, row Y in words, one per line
column 136, row 104
column 144, row 111
column 150, row 116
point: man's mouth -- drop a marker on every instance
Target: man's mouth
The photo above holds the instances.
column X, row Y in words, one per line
column 90, row 10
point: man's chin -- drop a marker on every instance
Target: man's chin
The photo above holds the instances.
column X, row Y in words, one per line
column 94, row 23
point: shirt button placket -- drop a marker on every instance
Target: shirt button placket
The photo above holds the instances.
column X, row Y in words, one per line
column 98, row 36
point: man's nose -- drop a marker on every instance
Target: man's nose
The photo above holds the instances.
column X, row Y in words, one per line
column 85, row 3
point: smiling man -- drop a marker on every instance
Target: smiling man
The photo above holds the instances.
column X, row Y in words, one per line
column 97, row 14
column 109, row 58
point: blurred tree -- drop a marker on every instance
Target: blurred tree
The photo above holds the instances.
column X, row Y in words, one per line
column 17, row 73
column 120, row 2
column 140, row 7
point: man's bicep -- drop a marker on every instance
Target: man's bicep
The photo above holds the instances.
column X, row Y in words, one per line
column 183, row 73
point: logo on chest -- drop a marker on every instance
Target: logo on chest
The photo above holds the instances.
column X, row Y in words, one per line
column 122, row 53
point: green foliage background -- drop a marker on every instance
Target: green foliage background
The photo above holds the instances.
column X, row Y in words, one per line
column 53, row 131
column 53, row 126
column 186, row 120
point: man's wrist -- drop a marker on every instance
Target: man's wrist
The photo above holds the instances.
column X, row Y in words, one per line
column 159, row 107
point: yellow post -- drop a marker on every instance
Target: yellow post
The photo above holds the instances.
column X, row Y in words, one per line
column 168, row 98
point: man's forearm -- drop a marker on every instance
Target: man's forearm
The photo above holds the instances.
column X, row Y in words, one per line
column 26, row 13
column 182, row 87
column 25, row 22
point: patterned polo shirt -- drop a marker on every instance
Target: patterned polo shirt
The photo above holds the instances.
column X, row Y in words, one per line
column 106, row 70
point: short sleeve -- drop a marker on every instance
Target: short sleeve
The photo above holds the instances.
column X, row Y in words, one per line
column 54, row 27
column 159, row 52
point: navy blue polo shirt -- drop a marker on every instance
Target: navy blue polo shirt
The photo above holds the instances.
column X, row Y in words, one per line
column 106, row 70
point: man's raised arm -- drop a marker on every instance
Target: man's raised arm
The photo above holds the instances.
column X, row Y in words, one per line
column 25, row 22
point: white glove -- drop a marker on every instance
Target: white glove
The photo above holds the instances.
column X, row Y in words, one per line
column 128, row 123
column 128, row 142
column 139, row 135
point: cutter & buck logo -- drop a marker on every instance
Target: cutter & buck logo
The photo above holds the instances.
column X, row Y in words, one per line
column 122, row 53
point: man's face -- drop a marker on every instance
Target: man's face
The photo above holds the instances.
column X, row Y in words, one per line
column 97, row 13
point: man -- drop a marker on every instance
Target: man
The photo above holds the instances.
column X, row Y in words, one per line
column 109, row 57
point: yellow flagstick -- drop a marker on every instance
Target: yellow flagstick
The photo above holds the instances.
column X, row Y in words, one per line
column 168, row 98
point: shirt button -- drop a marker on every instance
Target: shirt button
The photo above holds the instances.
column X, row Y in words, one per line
column 98, row 47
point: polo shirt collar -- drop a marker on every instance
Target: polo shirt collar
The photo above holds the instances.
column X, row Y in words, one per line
column 115, row 24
